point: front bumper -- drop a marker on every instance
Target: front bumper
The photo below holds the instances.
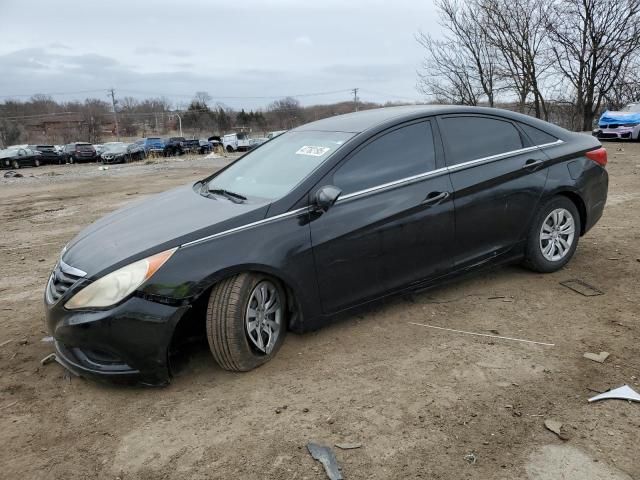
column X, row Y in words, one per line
column 620, row 133
column 109, row 159
column 128, row 342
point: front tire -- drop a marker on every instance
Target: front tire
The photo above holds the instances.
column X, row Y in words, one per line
column 553, row 236
column 15, row 164
column 246, row 321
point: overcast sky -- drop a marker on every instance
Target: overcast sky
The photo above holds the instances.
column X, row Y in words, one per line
column 244, row 48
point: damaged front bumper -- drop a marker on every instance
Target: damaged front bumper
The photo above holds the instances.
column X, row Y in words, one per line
column 618, row 133
column 128, row 342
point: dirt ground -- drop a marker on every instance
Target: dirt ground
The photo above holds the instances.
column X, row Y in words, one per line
column 423, row 403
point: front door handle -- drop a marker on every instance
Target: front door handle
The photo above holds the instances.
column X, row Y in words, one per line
column 532, row 164
column 434, row 198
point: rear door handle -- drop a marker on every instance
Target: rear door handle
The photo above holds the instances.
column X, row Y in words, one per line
column 532, row 164
column 434, row 198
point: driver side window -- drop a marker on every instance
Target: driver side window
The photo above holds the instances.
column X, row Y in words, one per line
column 401, row 153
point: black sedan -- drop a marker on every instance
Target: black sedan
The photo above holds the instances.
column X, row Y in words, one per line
column 18, row 157
column 320, row 220
column 48, row 154
column 121, row 152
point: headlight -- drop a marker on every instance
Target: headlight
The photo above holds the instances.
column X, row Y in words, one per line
column 117, row 285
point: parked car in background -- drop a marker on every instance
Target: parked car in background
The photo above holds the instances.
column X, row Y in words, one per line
column 180, row 146
column 236, row 142
column 49, row 154
column 274, row 134
column 151, row 144
column 328, row 217
column 205, row 146
column 619, row 125
column 215, row 141
column 18, row 156
column 256, row 142
column 122, row 153
column 79, row 152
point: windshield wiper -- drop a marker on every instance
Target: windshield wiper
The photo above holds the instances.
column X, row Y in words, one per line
column 234, row 197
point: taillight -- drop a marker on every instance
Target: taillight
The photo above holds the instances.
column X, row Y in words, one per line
column 598, row 155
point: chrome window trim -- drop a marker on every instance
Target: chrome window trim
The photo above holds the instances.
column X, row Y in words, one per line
column 395, row 183
column 453, row 168
column 367, row 191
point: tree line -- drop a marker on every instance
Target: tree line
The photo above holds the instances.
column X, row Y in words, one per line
column 92, row 120
column 559, row 60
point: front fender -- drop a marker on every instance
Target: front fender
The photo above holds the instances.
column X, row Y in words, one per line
column 281, row 249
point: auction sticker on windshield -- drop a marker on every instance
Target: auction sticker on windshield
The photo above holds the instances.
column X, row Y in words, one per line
column 312, row 151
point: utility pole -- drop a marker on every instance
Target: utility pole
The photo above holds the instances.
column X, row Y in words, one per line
column 355, row 99
column 115, row 113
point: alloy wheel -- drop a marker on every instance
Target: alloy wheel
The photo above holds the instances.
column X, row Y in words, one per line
column 557, row 234
column 263, row 318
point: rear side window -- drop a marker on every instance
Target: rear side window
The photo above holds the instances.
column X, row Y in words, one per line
column 402, row 153
column 471, row 138
column 538, row 137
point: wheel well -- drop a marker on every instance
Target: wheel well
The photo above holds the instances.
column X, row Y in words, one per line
column 582, row 209
column 192, row 324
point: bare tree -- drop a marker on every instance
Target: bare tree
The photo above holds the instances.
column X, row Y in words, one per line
column 287, row 112
column 460, row 68
column 518, row 30
column 626, row 90
column 10, row 133
column 594, row 42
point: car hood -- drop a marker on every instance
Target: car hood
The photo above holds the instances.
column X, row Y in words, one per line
column 153, row 225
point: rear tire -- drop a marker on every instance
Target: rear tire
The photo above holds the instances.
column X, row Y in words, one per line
column 553, row 236
column 233, row 337
column 36, row 162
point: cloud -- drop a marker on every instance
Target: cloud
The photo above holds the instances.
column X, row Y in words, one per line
column 59, row 46
column 149, row 50
column 303, row 40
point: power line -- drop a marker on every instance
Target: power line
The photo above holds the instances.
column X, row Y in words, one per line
column 399, row 97
column 139, row 92
column 241, row 97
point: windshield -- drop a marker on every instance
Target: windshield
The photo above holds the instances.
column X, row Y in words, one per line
column 274, row 169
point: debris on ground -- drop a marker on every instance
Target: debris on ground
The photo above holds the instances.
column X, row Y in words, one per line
column 482, row 334
column 471, row 458
column 6, row 342
column 12, row 174
column 556, row 427
column 103, row 168
column 348, row 446
column 597, row 357
column 9, row 405
column 581, row 287
column 621, row 393
column 47, row 340
column 48, row 359
column 327, row 458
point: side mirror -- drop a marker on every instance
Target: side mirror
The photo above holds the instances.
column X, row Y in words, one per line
column 326, row 197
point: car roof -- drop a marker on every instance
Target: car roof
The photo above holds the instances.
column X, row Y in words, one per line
column 357, row 122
